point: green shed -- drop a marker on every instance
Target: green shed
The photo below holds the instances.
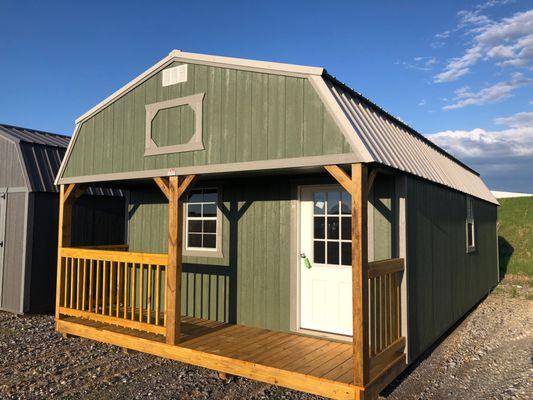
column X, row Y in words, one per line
column 280, row 226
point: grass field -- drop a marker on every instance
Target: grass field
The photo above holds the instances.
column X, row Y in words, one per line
column 515, row 232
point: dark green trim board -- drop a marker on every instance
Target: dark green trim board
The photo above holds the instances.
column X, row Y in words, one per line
column 247, row 117
column 445, row 281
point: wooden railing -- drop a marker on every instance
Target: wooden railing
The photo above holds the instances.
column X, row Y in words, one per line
column 384, row 292
column 116, row 287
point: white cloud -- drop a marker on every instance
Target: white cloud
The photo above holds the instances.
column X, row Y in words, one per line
column 499, row 91
column 518, row 120
column 422, row 102
column 509, row 40
column 480, row 143
column 419, row 63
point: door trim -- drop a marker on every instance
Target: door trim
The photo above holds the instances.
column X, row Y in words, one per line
column 295, row 265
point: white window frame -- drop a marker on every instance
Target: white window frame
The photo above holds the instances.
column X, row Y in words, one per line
column 201, row 251
column 470, row 221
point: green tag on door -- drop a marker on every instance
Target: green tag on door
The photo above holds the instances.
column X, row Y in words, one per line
column 307, row 263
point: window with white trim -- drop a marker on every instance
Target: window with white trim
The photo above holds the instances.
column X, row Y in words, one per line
column 201, row 226
column 470, row 225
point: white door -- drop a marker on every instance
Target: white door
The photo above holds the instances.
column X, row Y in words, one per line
column 325, row 240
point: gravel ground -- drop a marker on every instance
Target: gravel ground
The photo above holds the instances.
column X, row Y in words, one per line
column 489, row 355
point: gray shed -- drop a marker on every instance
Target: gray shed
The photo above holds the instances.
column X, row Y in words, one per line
column 29, row 161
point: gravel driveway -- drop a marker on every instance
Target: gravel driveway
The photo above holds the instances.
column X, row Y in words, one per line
column 489, row 355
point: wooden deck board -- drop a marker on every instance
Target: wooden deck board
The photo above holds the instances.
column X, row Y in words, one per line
column 286, row 359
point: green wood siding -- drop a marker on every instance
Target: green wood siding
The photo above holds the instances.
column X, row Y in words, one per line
column 247, row 116
column 250, row 283
column 444, row 281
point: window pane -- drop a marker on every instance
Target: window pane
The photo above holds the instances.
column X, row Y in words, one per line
column 195, row 226
column 346, row 228
column 210, row 241
column 333, row 227
column 210, row 195
column 194, row 240
column 319, row 231
column 346, row 203
column 319, row 250
column 210, row 226
column 195, row 196
column 333, row 202
column 469, row 230
column 346, row 254
column 319, row 202
column 210, row 210
column 195, row 210
column 333, row 253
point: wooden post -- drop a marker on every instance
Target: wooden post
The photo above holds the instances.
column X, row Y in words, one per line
column 173, row 271
column 360, row 274
column 67, row 196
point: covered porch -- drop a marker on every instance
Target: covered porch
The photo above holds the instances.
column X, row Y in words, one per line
column 133, row 300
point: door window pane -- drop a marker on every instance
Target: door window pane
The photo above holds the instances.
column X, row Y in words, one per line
column 346, row 253
column 319, row 228
column 333, row 228
column 333, row 202
column 333, row 252
column 346, row 207
column 319, row 201
column 346, row 228
column 319, row 252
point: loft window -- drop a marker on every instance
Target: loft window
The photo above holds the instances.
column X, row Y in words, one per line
column 202, row 223
column 470, row 225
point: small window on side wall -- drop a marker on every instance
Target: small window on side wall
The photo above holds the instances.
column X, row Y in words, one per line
column 202, row 223
column 470, row 226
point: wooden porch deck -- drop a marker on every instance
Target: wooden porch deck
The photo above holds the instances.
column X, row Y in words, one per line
column 320, row 366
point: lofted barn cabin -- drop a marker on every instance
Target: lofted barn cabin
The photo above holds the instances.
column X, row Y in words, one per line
column 280, row 227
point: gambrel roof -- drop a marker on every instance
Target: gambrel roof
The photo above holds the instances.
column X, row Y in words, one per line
column 374, row 136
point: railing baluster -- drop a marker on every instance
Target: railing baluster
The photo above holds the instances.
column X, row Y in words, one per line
column 133, row 291
column 157, row 280
column 141, row 273
column 97, row 295
column 71, row 284
column 83, row 285
column 118, row 297
column 91, row 282
column 65, row 281
column 125, row 290
column 149, row 295
column 111, row 286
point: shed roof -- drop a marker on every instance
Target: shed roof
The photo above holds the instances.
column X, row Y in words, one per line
column 374, row 135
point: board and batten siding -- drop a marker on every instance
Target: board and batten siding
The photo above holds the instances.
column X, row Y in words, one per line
column 250, row 284
column 11, row 173
column 445, row 281
column 247, row 116
column 14, row 248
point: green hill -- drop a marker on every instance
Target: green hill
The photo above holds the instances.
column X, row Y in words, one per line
column 515, row 234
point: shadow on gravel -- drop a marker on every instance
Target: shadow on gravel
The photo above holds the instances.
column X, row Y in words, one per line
column 414, row 365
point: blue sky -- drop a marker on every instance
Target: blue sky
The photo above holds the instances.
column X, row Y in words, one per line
column 460, row 72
